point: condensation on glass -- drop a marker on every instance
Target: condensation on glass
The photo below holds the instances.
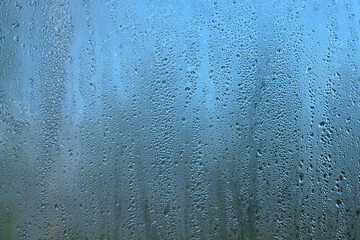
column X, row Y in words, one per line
column 185, row 119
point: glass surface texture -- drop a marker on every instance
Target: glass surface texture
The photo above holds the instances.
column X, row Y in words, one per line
column 164, row 119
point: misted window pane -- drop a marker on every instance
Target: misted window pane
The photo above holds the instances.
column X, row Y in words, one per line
column 192, row 119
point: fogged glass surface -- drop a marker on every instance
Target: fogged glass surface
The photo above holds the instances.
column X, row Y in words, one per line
column 185, row 119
